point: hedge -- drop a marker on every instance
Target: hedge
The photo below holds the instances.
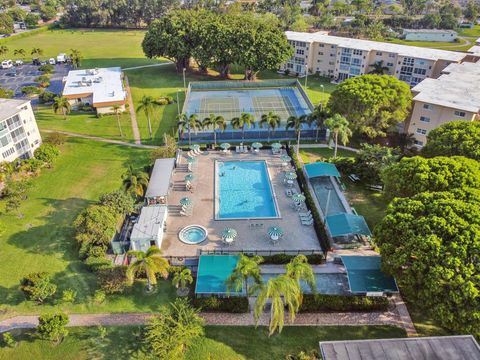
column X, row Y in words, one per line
column 278, row 259
column 325, row 303
column 234, row 304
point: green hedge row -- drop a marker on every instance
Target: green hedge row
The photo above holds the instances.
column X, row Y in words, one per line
column 234, row 304
column 323, row 303
column 278, row 259
column 318, row 223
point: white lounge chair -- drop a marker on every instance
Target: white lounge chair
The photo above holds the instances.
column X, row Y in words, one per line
column 237, row 149
column 307, row 222
column 245, row 149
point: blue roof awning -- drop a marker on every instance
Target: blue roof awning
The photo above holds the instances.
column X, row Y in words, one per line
column 365, row 275
column 317, row 169
column 347, row 224
column 213, row 271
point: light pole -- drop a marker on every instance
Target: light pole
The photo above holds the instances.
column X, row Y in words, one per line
column 184, row 82
column 178, row 102
column 321, row 101
column 306, row 76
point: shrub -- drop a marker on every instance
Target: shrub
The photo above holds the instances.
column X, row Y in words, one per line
column 96, row 225
column 46, row 97
column 69, row 296
column 52, row 326
column 278, row 259
column 47, row 153
column 324, row 303
column 8, row 340
column 345, row 165
column 56, row 138
column 31, row 165
column 112, row 280
column 30, row 90
column 37, row 286
column 47, row 68
column 85, row 107
column 95, row 263
column 118, row 201
column 234, row 304
column 99, row 297
column 162, row 102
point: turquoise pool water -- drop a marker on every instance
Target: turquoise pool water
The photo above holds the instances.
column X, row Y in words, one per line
column 244, row 191
column 193, row 234
column 322, row 186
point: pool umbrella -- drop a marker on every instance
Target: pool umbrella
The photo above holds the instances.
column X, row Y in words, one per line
column 276, row 145
column 229, row 233
column 285, row 158
column 275, row 232
column 290, row 175
column 191, row 160
column 225, row 146
column 298, row 198
column 195, row 147
column 257, row 145
column 189, row 177
column 186, row 201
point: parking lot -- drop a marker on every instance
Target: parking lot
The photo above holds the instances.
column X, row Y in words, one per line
column 19, row 76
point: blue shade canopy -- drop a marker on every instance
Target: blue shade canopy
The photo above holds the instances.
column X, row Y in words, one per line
column 365, row 275
column 213, row 271
column 347, row 224
column 321, row 169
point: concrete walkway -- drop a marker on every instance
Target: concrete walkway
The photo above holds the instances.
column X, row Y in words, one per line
column 147, row 66
column 96, row 138
column 133, row 114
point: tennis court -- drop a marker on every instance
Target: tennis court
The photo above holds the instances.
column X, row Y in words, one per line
column 282, row 101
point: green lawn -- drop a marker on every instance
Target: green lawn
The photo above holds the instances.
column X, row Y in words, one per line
column 41, row 238
column 319, row 154
column 220, row 343
column 473, row 32
column 85, row 123
column 460, row 45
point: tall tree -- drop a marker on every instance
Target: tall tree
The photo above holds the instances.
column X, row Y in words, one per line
column 148, row 104
column 296, row 123
column 378, row 68
column 247, row 267
column 62, row 104
column 151, row 263
column 190, row 123
column 135, row 181
column 217, row 122
column 271, row 120
column 372, row 103
column 300, row 270
column 116, row 109
column 76, row 57
column 339, row 130
column 317, row 118
column 36, row 52
column 3, row 50
column 181, row 279
column 19, row 52
column 245, row 120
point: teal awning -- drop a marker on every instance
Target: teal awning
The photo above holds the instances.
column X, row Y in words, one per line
column 347, row 224
column 213, row 271
column 365, row 275
column 321, row 169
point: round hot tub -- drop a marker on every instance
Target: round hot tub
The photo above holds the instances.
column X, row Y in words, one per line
column 193, row 234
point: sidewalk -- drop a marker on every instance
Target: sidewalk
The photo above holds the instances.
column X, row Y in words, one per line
column 133, row 114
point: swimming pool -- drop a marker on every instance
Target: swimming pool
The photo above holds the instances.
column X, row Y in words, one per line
column 322, row 186
column 243, row 191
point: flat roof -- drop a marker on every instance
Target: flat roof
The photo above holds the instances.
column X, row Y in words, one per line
column 10, row 107
column 160, row 178
column 150, row 221
column 403, row 50
column 317, row 169
column 457, row 88
column 461, row 347
column 213, row 271
column 431, row 31
column 365, row 274
column 475, row 49
column 104, row 84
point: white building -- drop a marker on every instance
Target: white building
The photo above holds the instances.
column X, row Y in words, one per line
column 340, row 58
column 101, row 88
column 430, row 35
column 19, row 135
column 149, row 229
column 454, row 96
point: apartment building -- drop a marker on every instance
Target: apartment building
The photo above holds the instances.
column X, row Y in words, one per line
column 454, row 96
column 19, row 135
column 341, row 58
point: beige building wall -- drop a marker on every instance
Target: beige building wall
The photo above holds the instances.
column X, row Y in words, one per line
column 426, row 117
column 108, row 109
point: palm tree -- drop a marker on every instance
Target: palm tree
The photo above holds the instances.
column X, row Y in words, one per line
column 147, row 104
column 338, row 127
column 378, row 68
column 135, row 181
column 36, row 51
column 296, row 122
column 272, row 121
column 116, row 109
column 215, row 121
column 189, row 123
column 76, row 57
column 150, row 262
column 405, row 141
column 61, row 103
column 283, row 291
column 247, row 267
column 299, row 269
column 245, row 119
column 317, row 118
column 19, row 52
column 182, row 279
column 3, row 50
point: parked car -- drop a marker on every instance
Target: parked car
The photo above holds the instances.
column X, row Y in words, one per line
column 36, row 61
column 51, row 61
column 61, row 58
column 18, row 62
column 7, row 64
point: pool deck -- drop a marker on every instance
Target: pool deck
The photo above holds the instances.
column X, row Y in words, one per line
column 297, row 237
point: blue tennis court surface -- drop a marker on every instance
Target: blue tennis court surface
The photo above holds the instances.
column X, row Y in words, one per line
column 283, row 101
column 213, row 271
column 244, row 191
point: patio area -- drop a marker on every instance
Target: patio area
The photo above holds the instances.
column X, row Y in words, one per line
column 251, row 234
